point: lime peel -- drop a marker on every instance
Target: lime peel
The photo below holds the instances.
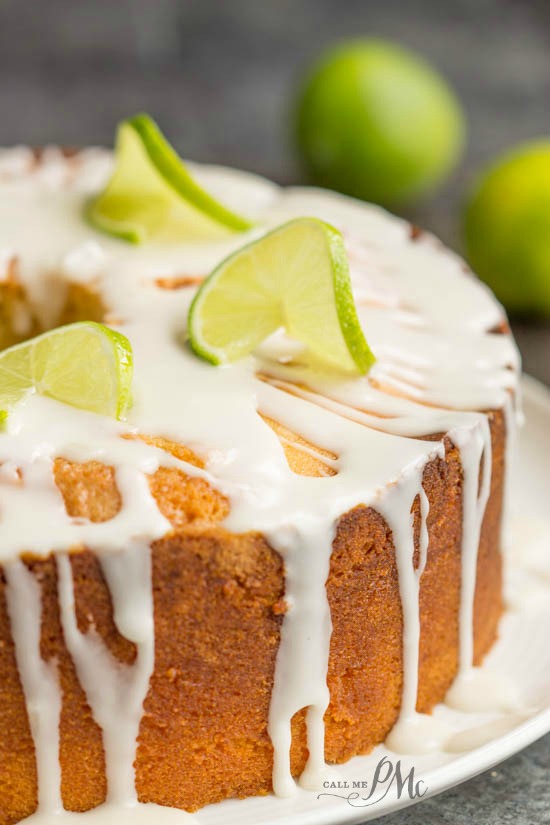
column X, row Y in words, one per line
column 151, row 192
column 506, row 226
column 296, row 277
column 86, row 365
column 375, row 121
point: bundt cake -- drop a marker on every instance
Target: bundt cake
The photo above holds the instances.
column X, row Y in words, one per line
column 266, row 567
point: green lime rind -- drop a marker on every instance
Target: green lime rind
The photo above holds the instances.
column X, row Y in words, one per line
column 176, row 175
column 506, row 225
column 86, row 365
column 118, row 229
column 296, row 277
column 376, row 121
column 152, row 194
column 352, row 332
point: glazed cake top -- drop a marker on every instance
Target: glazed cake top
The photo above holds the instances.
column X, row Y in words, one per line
column 431, row 325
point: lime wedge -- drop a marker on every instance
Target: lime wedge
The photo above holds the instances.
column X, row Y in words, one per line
column 86, row 365
column 296, row 277
column 151, row 194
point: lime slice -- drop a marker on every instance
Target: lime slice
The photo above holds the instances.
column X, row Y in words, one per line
column 152, row 194
column 86, row 365
column 296, row 277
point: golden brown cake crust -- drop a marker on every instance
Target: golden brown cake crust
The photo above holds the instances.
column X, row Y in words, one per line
column 219, row 602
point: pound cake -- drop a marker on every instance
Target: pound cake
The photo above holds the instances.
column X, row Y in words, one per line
column 266, row 567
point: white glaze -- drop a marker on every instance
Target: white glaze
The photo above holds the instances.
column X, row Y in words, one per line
column 413, row 732
column 139, row 814
column 115, row 692
column 426, row 320
column 39, row 681
column 479, row 735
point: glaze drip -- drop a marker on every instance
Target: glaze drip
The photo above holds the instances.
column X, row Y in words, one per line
column 115, row 692
column 304, row 686
column 39, row 681
column 398, row 513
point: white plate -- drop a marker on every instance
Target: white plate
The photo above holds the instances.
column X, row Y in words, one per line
column 522, row 654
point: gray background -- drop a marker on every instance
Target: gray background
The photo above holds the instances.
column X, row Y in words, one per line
column 220, row 78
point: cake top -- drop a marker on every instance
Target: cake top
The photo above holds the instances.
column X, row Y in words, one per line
column 438, row 335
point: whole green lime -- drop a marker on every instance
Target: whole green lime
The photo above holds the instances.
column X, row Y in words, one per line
column 507, row 229
column 376, row 121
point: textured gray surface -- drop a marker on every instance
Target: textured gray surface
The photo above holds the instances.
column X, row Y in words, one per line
column 220, row 77
column 514, row 793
